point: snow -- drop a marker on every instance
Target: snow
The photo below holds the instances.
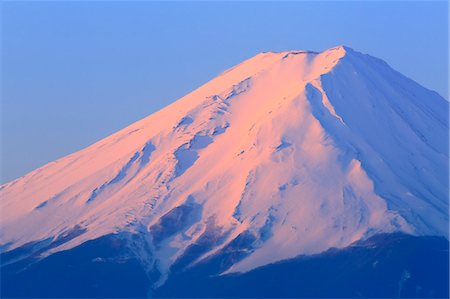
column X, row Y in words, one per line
column 303, row 150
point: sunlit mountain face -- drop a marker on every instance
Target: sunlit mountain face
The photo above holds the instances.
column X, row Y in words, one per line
column 292, row 174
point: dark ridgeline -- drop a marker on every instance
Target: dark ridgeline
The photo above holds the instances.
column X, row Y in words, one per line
column 388, row 265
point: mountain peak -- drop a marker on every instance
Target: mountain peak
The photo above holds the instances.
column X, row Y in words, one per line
column 340, row 51
column 341, row 48
column 284, row 154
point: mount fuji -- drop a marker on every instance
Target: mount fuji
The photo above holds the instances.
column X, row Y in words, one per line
column 287, row 161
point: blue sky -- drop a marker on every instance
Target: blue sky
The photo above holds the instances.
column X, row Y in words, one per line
column 75, row 72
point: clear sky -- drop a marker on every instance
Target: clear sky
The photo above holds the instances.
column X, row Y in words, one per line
column 75, row 72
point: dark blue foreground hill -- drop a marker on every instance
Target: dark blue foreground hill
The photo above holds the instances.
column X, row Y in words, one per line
column 394, row 265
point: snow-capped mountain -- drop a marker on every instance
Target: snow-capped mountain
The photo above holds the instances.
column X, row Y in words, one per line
column 295, row 152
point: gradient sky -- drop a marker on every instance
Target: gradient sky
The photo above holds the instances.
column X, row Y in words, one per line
column 75, row 72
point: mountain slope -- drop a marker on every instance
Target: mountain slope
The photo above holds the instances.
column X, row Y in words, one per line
column 285, row 154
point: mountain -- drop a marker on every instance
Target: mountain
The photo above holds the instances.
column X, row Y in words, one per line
column 284, row 155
